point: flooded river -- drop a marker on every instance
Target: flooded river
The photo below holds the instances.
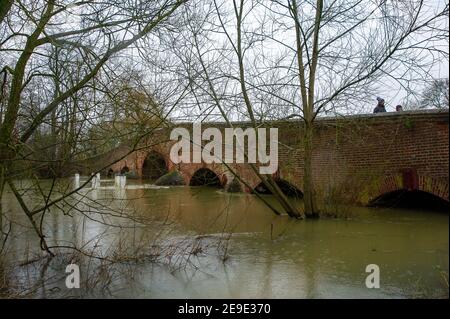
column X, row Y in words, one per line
column 199, row 242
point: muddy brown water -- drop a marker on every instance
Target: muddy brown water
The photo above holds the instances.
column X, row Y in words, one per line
column 199, row 242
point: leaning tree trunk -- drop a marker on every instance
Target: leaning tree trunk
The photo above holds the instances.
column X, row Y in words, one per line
column 1, row 208
column 308, row 183
column 2, row 187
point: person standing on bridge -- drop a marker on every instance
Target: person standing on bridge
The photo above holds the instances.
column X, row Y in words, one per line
column 380, row 107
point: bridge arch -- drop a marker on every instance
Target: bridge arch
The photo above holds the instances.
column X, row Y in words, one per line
column 286, row 187
column 154, row 166
column 205, row 177
column 110, row 173
column 415, row 199
column 125, row 169
column 401, row 189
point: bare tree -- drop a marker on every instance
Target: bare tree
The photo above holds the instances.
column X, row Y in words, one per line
column 35, row 32
column 204, row 83
column 344, row 48
column 436, row 95
column 316, row 57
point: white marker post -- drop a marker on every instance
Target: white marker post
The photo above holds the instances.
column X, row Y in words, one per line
column 77, row 180
column 95, row 181
column 120, row 181
column 123, row 181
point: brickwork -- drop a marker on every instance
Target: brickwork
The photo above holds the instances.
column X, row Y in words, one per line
column 356, row 158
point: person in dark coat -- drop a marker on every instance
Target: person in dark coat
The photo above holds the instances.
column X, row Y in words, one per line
column 380, row 107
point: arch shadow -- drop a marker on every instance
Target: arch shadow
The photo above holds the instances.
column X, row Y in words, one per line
column 154, row 166
column 110, row 173
column 124, row 170
column 205, row 177
column 287, row 188
column 410, row 199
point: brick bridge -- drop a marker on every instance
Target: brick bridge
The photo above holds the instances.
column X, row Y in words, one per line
column 356, row 158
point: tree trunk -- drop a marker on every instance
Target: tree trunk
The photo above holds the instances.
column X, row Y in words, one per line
column 2, row 187
column 1, row 197
column 308, row 112
column 308, row 183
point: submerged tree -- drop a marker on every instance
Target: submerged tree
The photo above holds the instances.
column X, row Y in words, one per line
column 314, row 57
